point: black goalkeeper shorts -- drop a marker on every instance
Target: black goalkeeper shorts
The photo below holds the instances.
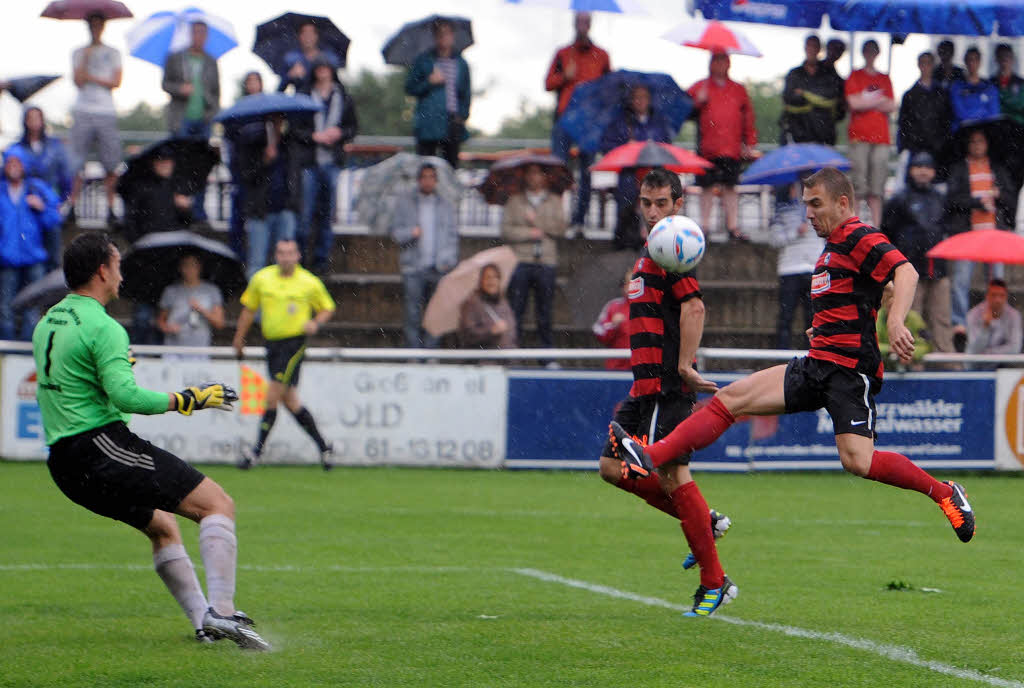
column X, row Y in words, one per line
column 115, row 473
column 652, row 417
column 284, row 358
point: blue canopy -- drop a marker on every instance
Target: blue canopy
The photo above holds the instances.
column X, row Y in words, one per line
column 941, row 17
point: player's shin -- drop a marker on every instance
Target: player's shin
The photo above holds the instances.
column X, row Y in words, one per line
column 175, row 569
column 899, row 471
column 695, row 520
column 649, row 489
column 267, row 422
column 219, row 549
column 696, row 432
column 305, row 419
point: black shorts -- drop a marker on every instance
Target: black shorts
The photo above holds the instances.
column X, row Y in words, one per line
column 284, row 358
column 848, row 396
column 726, row 171
column 115, row 473
column 652, row 416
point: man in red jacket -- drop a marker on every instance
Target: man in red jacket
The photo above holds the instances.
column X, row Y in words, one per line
column 574, row 64
column 725, row 136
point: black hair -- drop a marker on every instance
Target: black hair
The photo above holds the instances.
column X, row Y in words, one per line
column 84, row 256
column 1003, row 48
column 870, row 42
column 812, row 37
column 440, row 23
column 996, row 282
column 945, row 45
column 659, row 178
column 972, row 50
column 426, row 166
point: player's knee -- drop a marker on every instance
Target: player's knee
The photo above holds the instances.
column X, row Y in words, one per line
column 610, row 470
column 163, row 530
column 857, row 463
column 224, row 504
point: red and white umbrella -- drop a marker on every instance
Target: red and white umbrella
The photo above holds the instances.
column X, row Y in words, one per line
column 713, row 36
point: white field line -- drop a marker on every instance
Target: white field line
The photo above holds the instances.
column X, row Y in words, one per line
column 896, row 653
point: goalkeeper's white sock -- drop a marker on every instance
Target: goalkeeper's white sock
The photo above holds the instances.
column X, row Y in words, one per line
column 219, row 548
column 176, row 571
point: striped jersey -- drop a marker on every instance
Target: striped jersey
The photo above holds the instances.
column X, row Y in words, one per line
column 655, row 297
column 846, row 292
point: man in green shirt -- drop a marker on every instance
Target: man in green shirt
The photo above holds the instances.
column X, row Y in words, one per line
column 86, row 392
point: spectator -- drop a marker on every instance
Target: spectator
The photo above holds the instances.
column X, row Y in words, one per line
column 870, row 98
column 946, row 72
column 485, row 318
column 28, row 211
column 810, row 99
column 913, row 322
column 993, row 326
column 638, row 120
column 152, row 203
column 97, row 72
column 1011, row 104
column 979, row 196
column 573, row 65
column 333, row 127
column 834, row 49
column 252, row 83
column 190, row 308
column 439, row 79
column 799, row 250
column 299, row 63
column 45, row 159
column 726, row 134
column 924, row 116
column 612, row 326
column 425, row 230
column 973, row 99
column 914, row 220
column 532, row 223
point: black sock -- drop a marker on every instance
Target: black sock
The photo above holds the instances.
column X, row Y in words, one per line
column 305, row 419
column 269, row 416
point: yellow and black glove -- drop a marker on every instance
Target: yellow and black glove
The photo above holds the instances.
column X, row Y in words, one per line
column 212, row 395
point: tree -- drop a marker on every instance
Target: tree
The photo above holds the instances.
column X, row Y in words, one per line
column 529, row 123
column 766, row 97
column 143, row 117
column 384, row 109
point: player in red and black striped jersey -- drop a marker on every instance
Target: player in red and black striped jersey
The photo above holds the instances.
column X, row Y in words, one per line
column 843, row 370
column 666, row 321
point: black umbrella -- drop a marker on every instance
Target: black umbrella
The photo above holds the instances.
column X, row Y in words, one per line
column 275, row 38
column 43, row 293
column 152, row 264
column 24, row 87
column 417, row 37
column 193, row 160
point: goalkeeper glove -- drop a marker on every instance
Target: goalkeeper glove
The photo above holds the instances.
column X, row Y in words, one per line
column 213, row 395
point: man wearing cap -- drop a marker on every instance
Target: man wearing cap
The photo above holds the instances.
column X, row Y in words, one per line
column 29, row 210
column 913, row 220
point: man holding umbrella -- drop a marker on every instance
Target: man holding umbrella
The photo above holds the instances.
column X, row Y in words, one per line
column 439, row 80
column 299, row 63
column 293, row 304
column 193, row 82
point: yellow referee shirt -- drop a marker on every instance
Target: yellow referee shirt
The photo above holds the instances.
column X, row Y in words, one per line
column 287, row 303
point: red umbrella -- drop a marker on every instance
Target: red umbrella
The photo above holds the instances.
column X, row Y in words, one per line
column 713, row 36
column 506, row 176
column 983, row 246
column 652, row 154
column 80, row 9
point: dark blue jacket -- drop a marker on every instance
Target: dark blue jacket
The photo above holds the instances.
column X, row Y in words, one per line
column 22, row 229
column 973, row 102
column 50, row 164
column 431, row 120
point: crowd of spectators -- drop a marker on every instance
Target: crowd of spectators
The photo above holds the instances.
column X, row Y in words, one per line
column 285, row 174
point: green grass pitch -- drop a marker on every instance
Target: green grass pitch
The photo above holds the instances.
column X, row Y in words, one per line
column 400, row 577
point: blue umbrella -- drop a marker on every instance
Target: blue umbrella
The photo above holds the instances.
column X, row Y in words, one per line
column 163, row 33
column 261, row 105
column 616, row 6
column 595, row 104
column 417, row 37
column 786, row 164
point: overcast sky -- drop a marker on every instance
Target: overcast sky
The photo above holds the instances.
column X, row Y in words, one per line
column 513, row 49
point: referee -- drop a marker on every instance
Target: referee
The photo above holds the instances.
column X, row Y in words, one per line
column 86, row 391
column 293, row 303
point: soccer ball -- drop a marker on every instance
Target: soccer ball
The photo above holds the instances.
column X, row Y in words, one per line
column 676, row 243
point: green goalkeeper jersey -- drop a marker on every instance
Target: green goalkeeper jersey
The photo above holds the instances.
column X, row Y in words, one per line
column 84, row 378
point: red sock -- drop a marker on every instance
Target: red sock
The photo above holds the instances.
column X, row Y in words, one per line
column 695, row 520
column 649, row 490
column 696, row 432
column 897, row 470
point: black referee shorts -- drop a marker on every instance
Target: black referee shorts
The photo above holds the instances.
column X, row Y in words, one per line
column 284, row 358
column 848, row 396
column 652, row 416
column 115, row 473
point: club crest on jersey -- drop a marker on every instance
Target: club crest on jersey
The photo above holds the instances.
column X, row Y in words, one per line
column 636, row 288
column 820, row 282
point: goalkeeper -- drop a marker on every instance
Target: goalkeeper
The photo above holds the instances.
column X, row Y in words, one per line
column 87, row 391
